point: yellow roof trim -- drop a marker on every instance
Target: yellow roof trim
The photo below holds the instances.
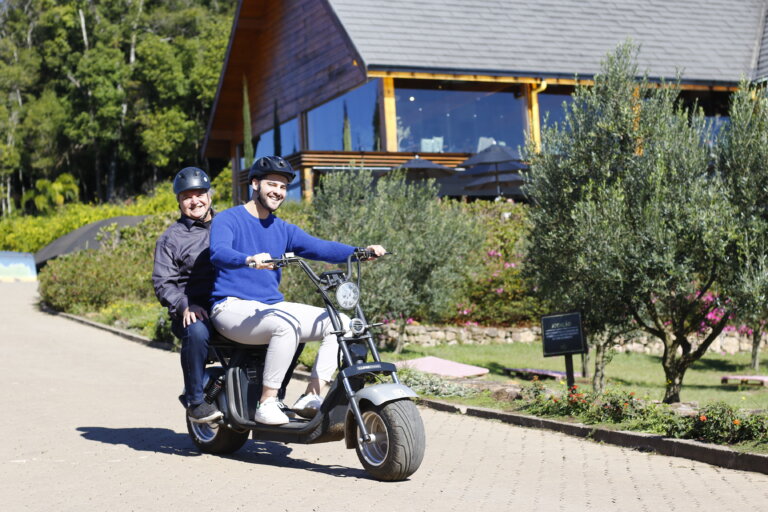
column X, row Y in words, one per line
column 420, row 75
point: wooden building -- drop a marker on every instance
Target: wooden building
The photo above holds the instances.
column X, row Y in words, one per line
column 333, row 83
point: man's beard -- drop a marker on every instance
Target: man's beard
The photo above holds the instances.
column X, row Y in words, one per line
column 263, row 201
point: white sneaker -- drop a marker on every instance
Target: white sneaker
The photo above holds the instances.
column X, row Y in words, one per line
column 269, row 412
column 307, row 405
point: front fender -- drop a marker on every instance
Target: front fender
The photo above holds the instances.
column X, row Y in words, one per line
column 382, row 393
column 377, row 395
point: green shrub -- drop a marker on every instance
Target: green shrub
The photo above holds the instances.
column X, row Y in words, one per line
column 541, row 402
column 93, row 279
column 149, row 319
column 222, row 188
column 435, row 244
column 28, row 233
column 714, row 423
column 297, row 212
column 614, row 407
column 433, row 385
column 720, row 423
column 660, row 419
column 309, row 354
column 496, row 293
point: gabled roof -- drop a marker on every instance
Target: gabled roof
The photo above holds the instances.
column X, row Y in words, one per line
column 301, row 53
column 708, row 40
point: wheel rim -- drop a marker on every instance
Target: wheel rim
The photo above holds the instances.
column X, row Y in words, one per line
column 376, row 452
column 206, row 432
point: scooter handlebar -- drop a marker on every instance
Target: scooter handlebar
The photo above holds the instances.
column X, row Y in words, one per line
column 364, row 254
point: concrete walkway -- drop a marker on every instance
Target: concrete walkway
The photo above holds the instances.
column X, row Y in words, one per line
column 92, row 423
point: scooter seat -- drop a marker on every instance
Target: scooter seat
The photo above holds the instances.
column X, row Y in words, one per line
column 220, row 341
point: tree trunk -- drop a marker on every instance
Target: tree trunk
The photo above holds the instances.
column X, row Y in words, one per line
column 112, row 173
column 757, row 337
column 672, row 391
column 598, row 379
column 7, row 202
column 674, row 371
column 400, row 338
column 83, row 29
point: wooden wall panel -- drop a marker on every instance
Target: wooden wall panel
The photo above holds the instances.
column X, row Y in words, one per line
column 293, row 53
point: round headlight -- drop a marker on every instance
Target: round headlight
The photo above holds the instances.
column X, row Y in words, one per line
column 357, row 326
column 347, row 295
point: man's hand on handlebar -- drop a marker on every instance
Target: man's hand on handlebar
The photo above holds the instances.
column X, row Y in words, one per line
column 261, row 261
column 374, row 251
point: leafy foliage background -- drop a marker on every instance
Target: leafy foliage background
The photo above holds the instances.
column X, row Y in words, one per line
column 114, row 92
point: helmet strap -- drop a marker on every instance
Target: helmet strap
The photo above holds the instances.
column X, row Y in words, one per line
column 203, row 216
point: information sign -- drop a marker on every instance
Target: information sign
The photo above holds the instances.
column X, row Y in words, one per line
column 562, row 334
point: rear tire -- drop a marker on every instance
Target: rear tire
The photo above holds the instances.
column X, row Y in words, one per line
column 216, row 438
column 399, row 440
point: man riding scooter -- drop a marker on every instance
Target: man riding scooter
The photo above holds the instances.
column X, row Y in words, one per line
column 247, row 304
column 183, row 278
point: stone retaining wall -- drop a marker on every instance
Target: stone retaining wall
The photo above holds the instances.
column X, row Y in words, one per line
column 431, row 335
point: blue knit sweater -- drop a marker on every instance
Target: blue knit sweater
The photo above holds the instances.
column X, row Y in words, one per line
column 236, row 234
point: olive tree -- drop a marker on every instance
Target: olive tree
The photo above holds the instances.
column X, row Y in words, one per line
column 743, row 163
column 432, row 240
column 630, row 225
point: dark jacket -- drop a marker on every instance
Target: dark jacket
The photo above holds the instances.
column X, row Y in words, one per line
column 183, row 273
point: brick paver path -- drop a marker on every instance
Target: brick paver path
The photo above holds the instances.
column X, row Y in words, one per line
column 90, row 422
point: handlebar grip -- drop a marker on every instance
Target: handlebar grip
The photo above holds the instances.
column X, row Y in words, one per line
column 364, row 254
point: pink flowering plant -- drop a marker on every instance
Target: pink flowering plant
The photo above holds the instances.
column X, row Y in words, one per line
column 496, row 292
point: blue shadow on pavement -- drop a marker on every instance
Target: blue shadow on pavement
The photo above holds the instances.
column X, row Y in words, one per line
column 163, row 440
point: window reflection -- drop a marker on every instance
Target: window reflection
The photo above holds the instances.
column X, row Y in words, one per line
column 551, row 107
column 714, row 104
column 462, row 117
column 347, row 123
column 286, row 143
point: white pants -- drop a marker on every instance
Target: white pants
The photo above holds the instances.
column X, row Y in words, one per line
column 283, row 326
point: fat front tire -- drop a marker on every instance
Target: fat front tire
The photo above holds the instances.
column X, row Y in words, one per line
column 399, row 440
column 216, row 438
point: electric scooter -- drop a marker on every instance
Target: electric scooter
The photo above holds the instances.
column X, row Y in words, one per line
column 367, row 406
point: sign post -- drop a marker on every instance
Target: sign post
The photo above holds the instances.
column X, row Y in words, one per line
column 562, row 335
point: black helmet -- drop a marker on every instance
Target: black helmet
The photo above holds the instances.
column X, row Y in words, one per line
column 271, row 165
column 190, row 178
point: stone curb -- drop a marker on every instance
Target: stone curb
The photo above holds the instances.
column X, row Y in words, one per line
column 138, row 338
column 702, row 452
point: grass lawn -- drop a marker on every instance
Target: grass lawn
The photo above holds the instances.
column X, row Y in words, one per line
column 640, row 373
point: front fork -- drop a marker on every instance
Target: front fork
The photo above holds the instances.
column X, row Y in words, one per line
column 364, row 435
column 347, row 357
column 352, row 369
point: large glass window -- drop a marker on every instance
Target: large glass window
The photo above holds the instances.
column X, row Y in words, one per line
column 461, row 117
column 347, row 123
column 714, row 104
column 551, row 104
column 287, row 144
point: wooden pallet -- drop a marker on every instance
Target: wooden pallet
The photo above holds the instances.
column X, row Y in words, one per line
column 530, row 373
column 759, row 380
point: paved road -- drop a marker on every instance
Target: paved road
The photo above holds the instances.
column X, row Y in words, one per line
column 91, row 422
